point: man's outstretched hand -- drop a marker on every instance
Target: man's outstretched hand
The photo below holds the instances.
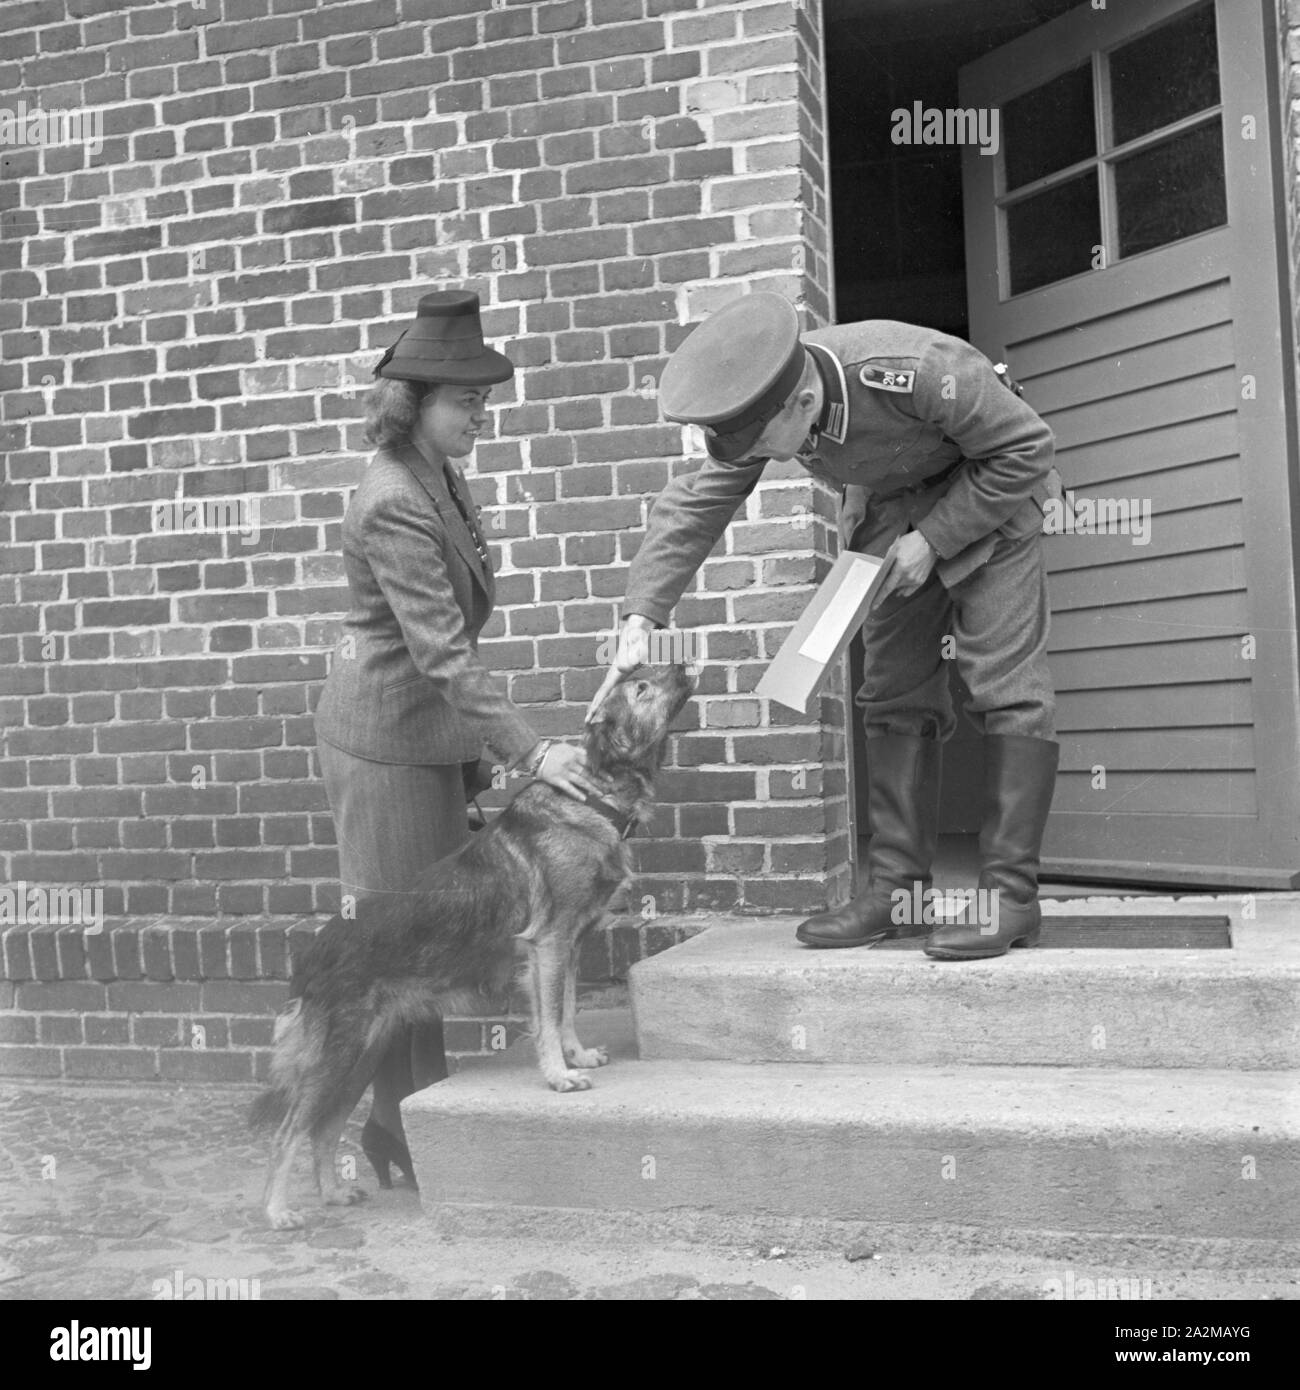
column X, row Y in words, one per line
column 633, row 651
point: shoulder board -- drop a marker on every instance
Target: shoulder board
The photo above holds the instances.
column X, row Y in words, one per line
column 888, row 379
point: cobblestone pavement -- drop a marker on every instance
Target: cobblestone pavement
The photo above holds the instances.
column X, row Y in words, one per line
column 136, row 1191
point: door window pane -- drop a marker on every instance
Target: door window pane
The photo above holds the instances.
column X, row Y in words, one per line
column 1053, row 234
column 1165, row 75
column 1050, row 128
column 1172, row 191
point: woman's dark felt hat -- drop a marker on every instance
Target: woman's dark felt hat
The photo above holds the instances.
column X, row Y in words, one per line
column 445, row 343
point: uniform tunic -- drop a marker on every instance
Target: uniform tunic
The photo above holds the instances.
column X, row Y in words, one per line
column 919, row 432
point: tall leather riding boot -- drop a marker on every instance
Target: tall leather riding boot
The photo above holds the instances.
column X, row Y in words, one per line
column 903, row 817
column 1019, row 779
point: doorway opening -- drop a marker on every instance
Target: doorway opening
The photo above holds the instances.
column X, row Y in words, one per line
column 900, row 254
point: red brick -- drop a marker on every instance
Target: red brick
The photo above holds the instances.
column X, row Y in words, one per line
column 610, row 40
column 245, row 997
column 558, row 248
column 76, row 996
column 150, row 997
column 523, row 56
column 272, row 953
column 110, row 1063
column 155, row 947
column 107, row 1031
column 205, row 1033
column 71, row 944
column 150, row 1030
column 42, row 942
column 243, row 938
column 552, row 117
column 194, row 1064
column 30, row 1061
column 647, row 442
column 654, row 238
column 548, row 383
column 617, row 173
column 567, row 14
column 213, row 953
column 57, row 1029
column 620, row 76
column 251, row 1032
column 298, row 941
column 565, row 82
column 17, row 1028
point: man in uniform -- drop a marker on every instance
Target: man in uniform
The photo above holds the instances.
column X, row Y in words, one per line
column 931, row 448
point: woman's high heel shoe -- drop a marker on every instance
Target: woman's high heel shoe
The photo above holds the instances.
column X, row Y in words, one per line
column 383, row 1148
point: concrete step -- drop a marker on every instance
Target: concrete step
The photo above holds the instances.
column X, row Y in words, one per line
column 747, row 991
column 709, row 1149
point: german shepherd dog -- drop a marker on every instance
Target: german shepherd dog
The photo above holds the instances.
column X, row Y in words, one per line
column 517, row 899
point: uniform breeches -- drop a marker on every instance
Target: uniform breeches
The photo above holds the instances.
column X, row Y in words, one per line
column 993, row 624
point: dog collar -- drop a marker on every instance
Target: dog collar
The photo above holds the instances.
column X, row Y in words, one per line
column 621, row 820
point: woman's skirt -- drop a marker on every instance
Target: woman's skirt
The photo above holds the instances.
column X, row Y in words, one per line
column 392, row 820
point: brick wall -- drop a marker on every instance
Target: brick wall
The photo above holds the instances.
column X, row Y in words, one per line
column 179, row 1000
column 194, row 999
column 193, row 312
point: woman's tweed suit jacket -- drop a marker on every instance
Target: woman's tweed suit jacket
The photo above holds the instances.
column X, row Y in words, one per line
column 406, row 684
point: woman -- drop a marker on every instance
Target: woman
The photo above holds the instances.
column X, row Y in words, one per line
column 408, row 701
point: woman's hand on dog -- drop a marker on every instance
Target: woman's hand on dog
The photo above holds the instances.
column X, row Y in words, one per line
column 565, row 768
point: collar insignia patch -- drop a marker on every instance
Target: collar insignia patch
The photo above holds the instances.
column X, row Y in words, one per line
column 835, row 412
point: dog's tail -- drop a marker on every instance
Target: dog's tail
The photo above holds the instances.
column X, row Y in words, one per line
column 295, row 1052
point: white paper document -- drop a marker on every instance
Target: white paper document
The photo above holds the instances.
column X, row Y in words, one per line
column 827, row 631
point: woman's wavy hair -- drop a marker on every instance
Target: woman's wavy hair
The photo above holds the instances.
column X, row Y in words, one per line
column 392, row 408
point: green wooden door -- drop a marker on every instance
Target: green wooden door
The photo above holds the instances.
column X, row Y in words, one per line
column 1123, row 256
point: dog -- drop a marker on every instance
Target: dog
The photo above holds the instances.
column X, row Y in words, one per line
column 515, row 901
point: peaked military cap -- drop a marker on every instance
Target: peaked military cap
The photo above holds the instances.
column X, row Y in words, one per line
column 445, row 343
column 735, row 371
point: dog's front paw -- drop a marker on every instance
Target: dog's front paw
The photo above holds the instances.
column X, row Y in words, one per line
column 285, row 1219
column 571, row 1081
column 587, row 1057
